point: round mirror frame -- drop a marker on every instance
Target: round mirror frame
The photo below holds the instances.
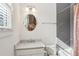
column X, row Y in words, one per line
column 31, row 22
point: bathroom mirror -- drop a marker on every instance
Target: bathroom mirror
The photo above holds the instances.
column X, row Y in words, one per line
column 31, row 22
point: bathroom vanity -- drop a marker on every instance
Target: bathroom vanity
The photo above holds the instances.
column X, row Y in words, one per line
column 29, row 48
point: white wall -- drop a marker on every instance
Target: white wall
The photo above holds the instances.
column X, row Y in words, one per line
column 46, row 13
column 9, row 37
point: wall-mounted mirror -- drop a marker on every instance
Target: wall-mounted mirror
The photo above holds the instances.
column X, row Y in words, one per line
column 31, row 22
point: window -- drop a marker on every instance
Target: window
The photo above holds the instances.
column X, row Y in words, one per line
column 5, row 16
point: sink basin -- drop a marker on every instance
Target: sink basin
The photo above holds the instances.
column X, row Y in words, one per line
column 27, row 41
column 24, row 44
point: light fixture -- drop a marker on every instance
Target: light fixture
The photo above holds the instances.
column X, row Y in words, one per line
column 27, row 9
column 30, row 9
column 33, row 10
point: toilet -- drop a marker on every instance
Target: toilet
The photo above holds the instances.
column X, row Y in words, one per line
column 51, row 50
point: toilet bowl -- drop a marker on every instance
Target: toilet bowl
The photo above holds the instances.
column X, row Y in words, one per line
column 51, row 50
